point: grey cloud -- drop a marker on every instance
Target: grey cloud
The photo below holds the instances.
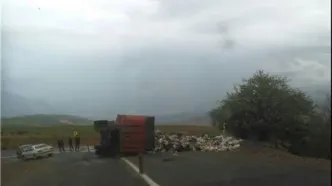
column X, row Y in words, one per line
column 178, row 60
column 179, row 9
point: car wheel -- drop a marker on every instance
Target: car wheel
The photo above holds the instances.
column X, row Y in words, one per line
column 24, row 158
column 34, row 156
column 49, row 155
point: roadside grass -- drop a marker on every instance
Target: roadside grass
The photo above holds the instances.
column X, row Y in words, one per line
column 14, row 135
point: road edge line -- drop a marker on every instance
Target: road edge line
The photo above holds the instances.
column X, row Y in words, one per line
column 145, row 177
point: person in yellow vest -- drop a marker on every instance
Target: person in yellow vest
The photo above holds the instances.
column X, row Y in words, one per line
column 77, row 140
column 75, row 133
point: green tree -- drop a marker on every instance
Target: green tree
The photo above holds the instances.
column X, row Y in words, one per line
column 266, row 108
column 319, row 138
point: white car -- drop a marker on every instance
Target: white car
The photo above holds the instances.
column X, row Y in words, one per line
column 36, row 151
column 20, row 149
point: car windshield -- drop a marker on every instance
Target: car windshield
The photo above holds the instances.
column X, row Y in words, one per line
column 40, row 146
column 24, row 146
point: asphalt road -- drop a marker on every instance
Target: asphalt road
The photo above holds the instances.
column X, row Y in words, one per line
column 186, row 169
column 6, row 153
column 230, row 169
column 69, row 169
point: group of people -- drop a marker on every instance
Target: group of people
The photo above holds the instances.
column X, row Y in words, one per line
column 77, row 140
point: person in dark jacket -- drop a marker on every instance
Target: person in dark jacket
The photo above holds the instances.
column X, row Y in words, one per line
column 70, row 143
column 59, row 145
column 62, row 144
column 77, row 143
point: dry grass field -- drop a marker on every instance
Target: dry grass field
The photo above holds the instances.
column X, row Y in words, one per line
column 15, row 135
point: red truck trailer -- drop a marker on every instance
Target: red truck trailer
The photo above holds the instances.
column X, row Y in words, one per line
column 129, row 134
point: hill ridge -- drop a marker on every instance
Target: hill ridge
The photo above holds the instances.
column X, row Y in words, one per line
column 45, row 119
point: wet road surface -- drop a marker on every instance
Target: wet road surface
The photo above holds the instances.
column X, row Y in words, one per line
column 6, row 153
column 186, row 169
column 69, row 169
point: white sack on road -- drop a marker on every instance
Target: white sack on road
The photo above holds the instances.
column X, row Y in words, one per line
column 179, row 142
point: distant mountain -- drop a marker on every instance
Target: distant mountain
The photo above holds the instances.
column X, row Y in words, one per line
column 190, row 118
column 44, row 120
column 16, row 105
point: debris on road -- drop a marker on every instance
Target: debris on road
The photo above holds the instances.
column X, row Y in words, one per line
column 179, row 142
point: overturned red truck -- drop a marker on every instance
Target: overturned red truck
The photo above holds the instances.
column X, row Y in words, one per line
column 128, row 134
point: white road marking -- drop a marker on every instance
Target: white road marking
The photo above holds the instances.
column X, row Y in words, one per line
column 145, row 177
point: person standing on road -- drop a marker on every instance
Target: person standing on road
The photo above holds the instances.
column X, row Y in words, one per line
column 70, row 143
column 62, row 145
column 75, row 135
column 77, row 143
column 59, row 145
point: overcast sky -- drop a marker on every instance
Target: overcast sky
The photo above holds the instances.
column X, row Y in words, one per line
column 158, row 56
